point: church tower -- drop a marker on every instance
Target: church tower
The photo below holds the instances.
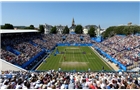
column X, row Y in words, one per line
column 98, row 31
column 73, row 26
column 46, row 30
column 73, row 22
column 98, row 35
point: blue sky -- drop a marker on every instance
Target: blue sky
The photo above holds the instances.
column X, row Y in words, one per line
column 55, row 13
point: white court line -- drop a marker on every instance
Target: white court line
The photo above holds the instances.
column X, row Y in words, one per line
column 61, row 58
column 73, row 55
column 101, row 57
column 84, row 55
column 43, row 62
column 91, row 58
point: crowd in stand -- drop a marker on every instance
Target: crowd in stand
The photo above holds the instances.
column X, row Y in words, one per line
column 52, row 79
column 24, row 44
column 41, row 43
column 71, row 38
column 120, row 43
column 77, row 38
column 52, row 40
column 124, row 49
column 20, row 43
column 10, row 57
column 86, row 38
column 27, row 49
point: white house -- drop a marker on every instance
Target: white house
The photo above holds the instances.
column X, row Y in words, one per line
column 47, row 28
column 60, row 29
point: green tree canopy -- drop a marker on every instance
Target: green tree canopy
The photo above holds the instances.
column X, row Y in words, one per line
column 123, row 30
column 79, row 29
column 109, row 32
column 2, row 27
column 53, row 30
column 66, row 30
column 136, row 29
column 30, row 27
column 41, row 28
column 7, row 26
column 91, row 32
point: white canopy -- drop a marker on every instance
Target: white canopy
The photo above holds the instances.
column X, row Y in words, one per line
column 16, row 31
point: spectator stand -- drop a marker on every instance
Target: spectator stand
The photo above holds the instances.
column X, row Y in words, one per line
column 97, row 39
column 33, row 59
column 33, row 43
column 16, row 52
column 74, row 44
column 110, row 58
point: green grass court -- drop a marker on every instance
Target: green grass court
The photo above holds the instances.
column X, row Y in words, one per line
column 74, row 58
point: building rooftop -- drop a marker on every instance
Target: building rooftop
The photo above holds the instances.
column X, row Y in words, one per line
column 16, row 31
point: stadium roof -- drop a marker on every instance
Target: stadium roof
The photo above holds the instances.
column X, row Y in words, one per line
column 16, row 31
column 8, row 66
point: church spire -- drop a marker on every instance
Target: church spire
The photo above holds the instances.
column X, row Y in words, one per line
column 98, row 31
column 73, row 22
column 99, row 26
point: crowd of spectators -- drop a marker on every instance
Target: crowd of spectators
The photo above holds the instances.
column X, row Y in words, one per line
column 24, row 44
column 86, row 38
column 121, row 43
column 77, row 38
column 27, row 49
column 71, row 38
column 8, row 56
column 52, row 79
column 52, row 40
column 124, row 49
column 20, row 43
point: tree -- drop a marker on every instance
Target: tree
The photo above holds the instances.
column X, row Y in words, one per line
column 119, row 30
column 7, row 26
column 91, row 32
column 136, row 29
column 41, row 28
column 32, row 27
column 124, row 30
column 79, row 29
column 66, row 30
column 2, row 27
column 53, row 30
column 109, row 32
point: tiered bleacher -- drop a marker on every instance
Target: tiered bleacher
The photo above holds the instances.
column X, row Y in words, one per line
column 124, row 49
column 69, row 80
column 26, row 49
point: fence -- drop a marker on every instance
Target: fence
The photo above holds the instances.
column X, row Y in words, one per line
column 74, row 44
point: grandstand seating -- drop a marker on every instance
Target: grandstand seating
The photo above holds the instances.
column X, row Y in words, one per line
column 52, row 79
column 30, row 48
column 125, row 49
